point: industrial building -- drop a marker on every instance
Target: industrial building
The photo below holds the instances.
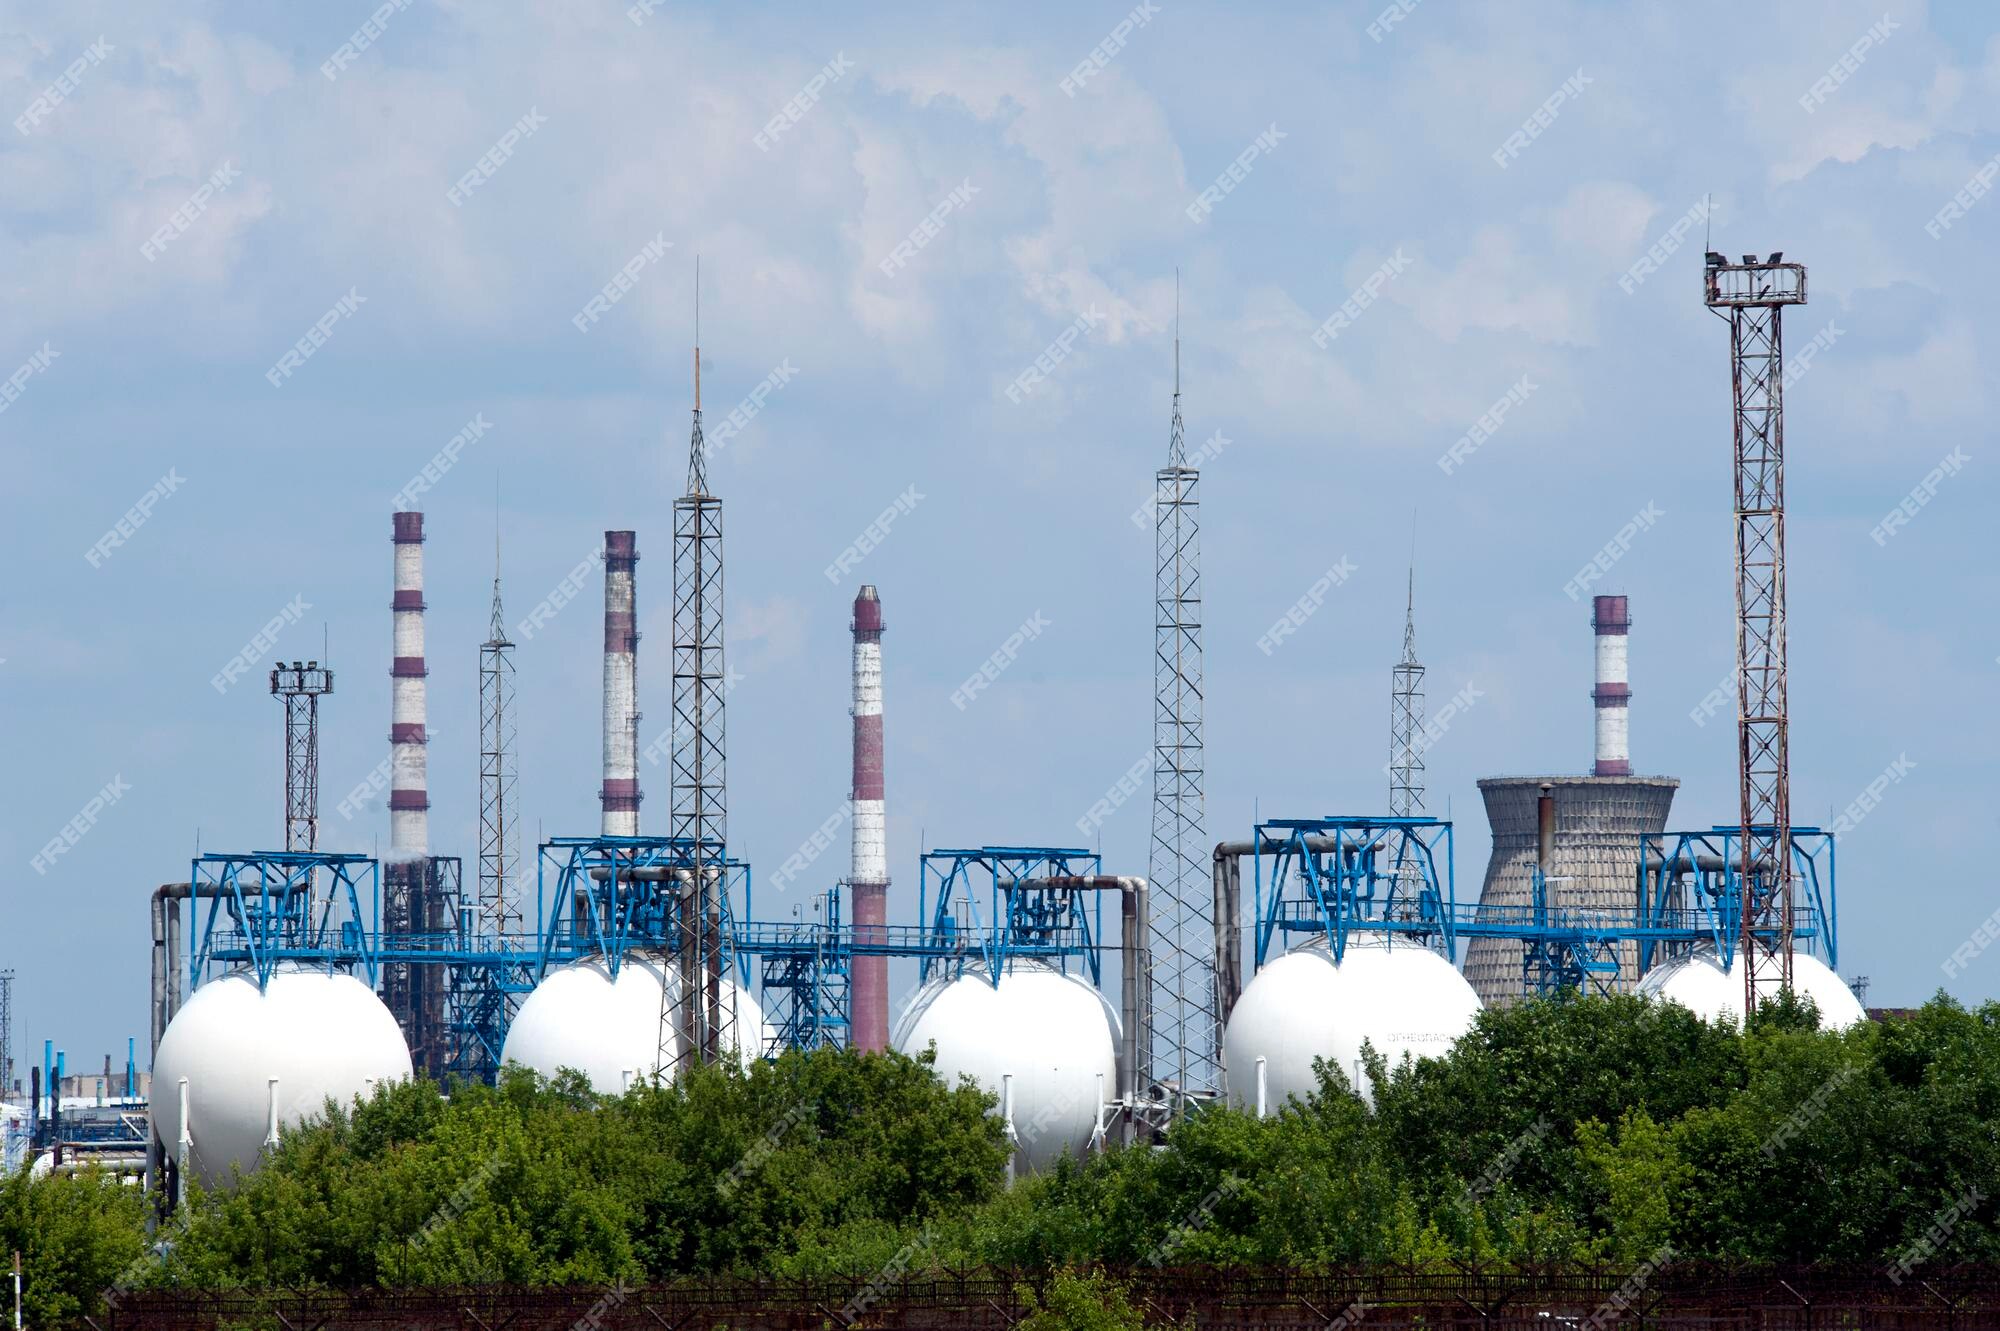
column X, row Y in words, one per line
column 277, row 982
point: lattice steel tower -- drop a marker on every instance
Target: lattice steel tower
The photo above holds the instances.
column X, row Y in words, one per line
column 499, row 835
column 299, row 686
column 1185, row 1038
column 1752, row 296
column 1406, row 719
column 707, row 1016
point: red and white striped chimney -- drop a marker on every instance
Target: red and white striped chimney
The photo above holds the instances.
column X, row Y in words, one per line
column 1613, row 693
column 621, row 686
column 409, row 797
column 869, row 879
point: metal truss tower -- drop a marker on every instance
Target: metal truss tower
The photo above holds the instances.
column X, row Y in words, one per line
column 707, row 1016
column 499, row 836
column 1406, row 719
column 1752, row 296
column 299, row 686
column 1183, row 1045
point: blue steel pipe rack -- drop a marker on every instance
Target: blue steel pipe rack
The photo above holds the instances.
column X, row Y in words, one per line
column 606, row 896
column 1337, row 876
column 1333, row 877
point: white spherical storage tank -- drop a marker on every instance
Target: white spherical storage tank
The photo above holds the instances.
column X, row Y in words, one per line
column 609, row 1030
column 1400, row 999
column 320, row 1035
column 1054, row 1033
column 1699, row 983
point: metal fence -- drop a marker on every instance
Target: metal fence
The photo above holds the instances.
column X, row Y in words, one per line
column 1665, row 1298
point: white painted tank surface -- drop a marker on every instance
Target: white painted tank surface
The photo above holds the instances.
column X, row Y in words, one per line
column 1054, row 1033
column 1401, row 999
column 320, row 1035
column 1699, row 983
column 609, row 1030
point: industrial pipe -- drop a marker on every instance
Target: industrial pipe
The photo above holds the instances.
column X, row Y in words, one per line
column 1007, row 1122
column 1135, row 965
column 1545, row 831
column 1226, row 871
column 271, row 1114
column 1226, row 874
column 168, row 951
column 186, row 1143
column 166, row 995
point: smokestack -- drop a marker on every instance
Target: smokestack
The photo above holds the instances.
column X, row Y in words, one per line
column 409, row 798
column 621, row 686
column 869, row 878
column 1613, row 694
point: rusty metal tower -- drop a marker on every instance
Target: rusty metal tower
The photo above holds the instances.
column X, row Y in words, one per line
column 499, row 832
column 299, row 686
column 1751, row 296
column 1185, row 1037
column 706, row 1020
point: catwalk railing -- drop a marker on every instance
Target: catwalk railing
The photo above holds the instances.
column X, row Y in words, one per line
column 1677, row 1297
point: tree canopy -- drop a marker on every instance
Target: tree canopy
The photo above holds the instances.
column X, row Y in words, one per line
column 1591, row 1130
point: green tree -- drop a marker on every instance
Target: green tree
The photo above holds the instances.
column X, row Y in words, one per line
column 78, row 1235
column 1079, row 1302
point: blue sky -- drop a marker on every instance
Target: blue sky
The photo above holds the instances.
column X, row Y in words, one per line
column 1071, row 204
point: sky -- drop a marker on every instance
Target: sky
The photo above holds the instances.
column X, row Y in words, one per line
column 262, row 266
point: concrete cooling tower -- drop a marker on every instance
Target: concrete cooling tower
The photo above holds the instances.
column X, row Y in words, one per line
column 1598, row 822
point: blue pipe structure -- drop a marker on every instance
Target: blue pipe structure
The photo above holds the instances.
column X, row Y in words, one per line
column 1023, row 919
column 1332, row 878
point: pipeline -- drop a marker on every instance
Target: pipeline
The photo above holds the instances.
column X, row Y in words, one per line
column 1135, row 964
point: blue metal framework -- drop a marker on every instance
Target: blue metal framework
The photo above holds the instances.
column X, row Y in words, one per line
column 612, row 894
column 1054, row 925
column 806, row 970
column 1333, row 877
column 271, row 906
column 1694, row 880
column 1337, row 876
column 1329, row 878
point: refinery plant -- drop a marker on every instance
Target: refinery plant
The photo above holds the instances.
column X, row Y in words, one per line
column 1098, row 1005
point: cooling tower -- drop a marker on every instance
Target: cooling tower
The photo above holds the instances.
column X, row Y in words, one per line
column 1598, row 823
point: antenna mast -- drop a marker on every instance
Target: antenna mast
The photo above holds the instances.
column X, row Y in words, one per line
column 1406, row 715
column 1185, row 1036
column 704, row 1027
column 499, row 835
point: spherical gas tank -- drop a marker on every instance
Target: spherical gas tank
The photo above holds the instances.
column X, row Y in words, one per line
column 1699, row 983
column 320, row 1035
column 1302, row 1006
column 1838, row 1007
column 609, row 1030
column 1053, row 1032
